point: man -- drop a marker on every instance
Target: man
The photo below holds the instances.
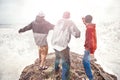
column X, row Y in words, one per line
column 90, row 44
column 60, row 39
column 40, row 28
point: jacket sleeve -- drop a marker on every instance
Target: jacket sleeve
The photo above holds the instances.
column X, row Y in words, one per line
column 95, row 40
column 89, row 39
column 28, row 27
column 50, row 26
column 75, row 31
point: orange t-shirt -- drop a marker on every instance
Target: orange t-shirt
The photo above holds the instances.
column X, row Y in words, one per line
column 90, row 41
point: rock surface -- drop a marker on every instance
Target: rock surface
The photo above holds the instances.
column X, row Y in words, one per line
column 32, row 72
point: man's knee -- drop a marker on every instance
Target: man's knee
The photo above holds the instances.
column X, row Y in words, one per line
column 44, row 50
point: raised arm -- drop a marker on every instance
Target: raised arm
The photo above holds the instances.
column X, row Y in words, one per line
column 26, row 28
column 83, row 19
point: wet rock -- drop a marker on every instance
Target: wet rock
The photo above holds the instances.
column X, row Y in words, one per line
column 77, row 72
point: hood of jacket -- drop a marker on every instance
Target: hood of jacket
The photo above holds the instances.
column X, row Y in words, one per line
column 91, row 25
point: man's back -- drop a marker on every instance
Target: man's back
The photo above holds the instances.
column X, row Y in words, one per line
column 62, row 33
column 60, row 39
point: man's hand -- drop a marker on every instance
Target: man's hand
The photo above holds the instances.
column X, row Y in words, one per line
column 83, row 19
column 20, row 31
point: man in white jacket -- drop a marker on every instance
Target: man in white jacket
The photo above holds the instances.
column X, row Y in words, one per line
column 61, row 37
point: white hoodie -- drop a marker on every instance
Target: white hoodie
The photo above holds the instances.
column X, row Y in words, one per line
column 62, row 34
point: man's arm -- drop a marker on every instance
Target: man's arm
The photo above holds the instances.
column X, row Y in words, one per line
column 83, row 19
column 50, row 26
column 29, row 27
column 75, row 31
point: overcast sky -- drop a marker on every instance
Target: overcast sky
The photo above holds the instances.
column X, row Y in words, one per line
column 24, row 11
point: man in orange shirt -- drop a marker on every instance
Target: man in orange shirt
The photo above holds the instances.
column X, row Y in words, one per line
column 90, row 44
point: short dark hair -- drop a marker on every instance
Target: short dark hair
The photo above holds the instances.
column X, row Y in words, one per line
column 88, row 19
